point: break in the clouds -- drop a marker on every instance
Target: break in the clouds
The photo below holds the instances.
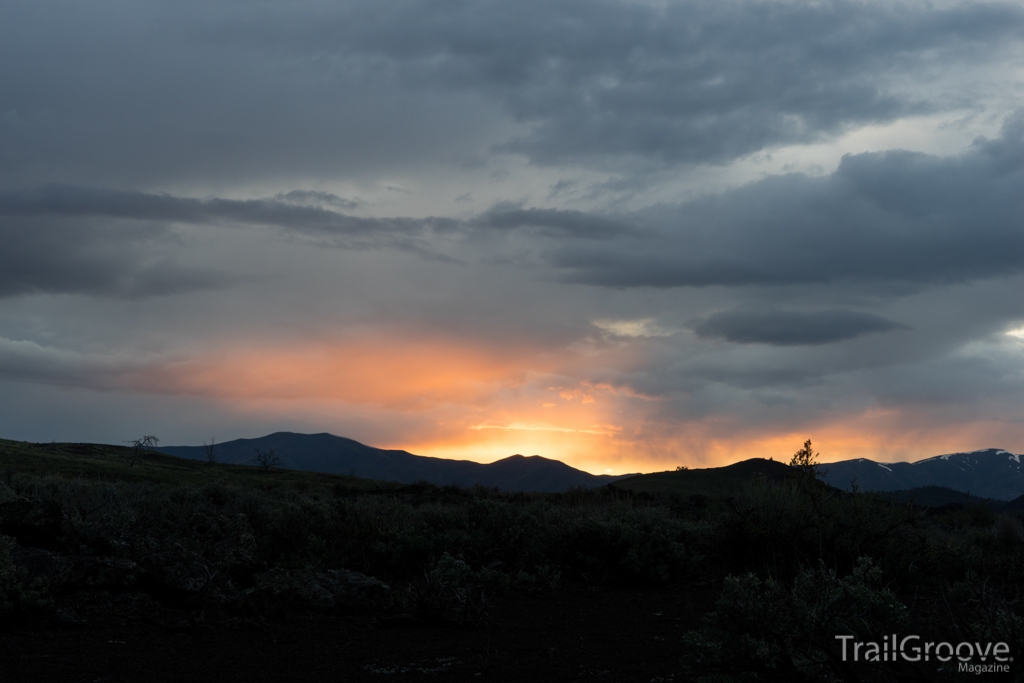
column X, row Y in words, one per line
column 626, row 234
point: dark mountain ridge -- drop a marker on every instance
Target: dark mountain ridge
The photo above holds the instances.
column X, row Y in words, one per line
column 991, row 473
column 338, row 455
column 987, row 473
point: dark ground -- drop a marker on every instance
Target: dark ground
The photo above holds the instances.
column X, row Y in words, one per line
column 571, row 635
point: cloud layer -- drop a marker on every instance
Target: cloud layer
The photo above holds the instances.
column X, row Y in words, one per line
column 890, row 216
column 385, row 86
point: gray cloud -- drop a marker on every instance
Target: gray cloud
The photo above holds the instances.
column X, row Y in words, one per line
column 66, row 204
column 26, row 361
column 888, row 217
column 880, row 217
column 300, row 212
column 791, row 328
column 151, row 94
column 73, row 239
column 86, row 255
column 696, row 81
column 559, row 223
column 314, row 198
column 61, row 200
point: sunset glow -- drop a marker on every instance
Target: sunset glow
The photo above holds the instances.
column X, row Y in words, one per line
column 629, row 238
column 447, row 397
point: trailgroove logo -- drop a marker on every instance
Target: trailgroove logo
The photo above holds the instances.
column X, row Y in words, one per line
column 991, row 657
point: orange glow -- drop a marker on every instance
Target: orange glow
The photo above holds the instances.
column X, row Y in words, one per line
column 398, row 375
column 451, row 398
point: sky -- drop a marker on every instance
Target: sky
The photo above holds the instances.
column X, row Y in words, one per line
column 625, row 234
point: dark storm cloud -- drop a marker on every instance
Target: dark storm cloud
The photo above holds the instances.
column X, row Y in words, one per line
column 44, row 267
column 694, row 81
column 553, row 222
column 880, row 217
column 889, row 217
column 62, row 238
column 284, row 212
column 300, row 212
column 65, row 239
column 26, row 361
column 791, row 328
column 141, row 94
column 55, row 254
column 709, row 82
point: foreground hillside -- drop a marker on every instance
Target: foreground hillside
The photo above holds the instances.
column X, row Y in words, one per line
column 708, row 482
column 125, row 566
column 126, row 464
column 338, row 455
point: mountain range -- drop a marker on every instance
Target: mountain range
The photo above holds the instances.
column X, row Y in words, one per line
column 988, row 473
column 338, row 455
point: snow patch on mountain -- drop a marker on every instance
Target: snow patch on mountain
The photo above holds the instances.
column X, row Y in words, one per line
column 987, row 472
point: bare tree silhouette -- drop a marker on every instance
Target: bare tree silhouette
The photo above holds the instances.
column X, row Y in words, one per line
column 211, row 451
column 139, row 445
column 266, row 459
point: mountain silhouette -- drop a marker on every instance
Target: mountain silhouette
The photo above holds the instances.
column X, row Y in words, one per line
column 987, row 473
column 338, row 455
